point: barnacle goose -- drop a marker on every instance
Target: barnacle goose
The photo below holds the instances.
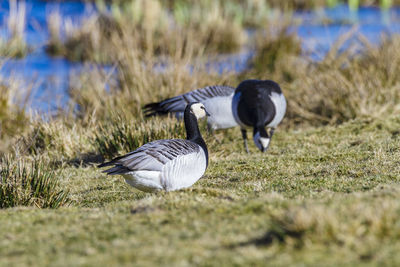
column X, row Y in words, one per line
column 216, row 99
column 258, row 104
column 169, row 164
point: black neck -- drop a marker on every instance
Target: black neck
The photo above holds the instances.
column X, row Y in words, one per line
column 261, row 130
column 192, row 131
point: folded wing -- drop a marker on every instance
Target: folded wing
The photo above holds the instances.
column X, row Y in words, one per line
column 151, row 156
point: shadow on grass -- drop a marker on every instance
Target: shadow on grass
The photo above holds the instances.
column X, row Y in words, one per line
column 274, row 235
column 85, row 160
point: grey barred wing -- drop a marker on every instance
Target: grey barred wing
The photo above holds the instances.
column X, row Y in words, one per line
column 178, row 103
column 151, row 156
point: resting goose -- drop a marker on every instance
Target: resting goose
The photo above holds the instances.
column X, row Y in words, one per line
column 258, row 104
column 216, row 99
column 169, row 164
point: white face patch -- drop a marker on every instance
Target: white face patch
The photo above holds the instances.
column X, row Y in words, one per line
column 264, row 142
column 261, row 142
column 198, row 110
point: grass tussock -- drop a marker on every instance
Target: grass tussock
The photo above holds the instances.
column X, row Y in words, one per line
column 81, row 41
column 24, row 183
column 58, row 139
column 315, row 223
column 14, row 98
column 343, row 87
column 277, row 53
column 124, row 135
column 14, row 45
column 147, row 27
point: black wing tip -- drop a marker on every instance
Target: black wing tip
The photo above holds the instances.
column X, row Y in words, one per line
column 113, row 170
column 104, row 164
column 153, row 105
column 153, row 109
column 117, row 169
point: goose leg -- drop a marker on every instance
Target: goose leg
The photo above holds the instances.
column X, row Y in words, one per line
column 244, row 135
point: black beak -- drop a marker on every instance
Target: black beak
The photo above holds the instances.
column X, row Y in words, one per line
column 207, row 114
column 262, row 149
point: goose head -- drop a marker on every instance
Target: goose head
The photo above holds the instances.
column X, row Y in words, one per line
column 261, row 138
column 198, row 110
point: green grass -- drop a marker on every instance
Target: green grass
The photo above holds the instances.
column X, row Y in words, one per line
column 326, row 192
column 25, row 183
column 320, row 194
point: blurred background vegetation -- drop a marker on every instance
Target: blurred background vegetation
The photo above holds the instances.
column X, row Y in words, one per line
column 133, row 52
column 156, row 49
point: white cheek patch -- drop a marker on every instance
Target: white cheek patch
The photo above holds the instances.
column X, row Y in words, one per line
column 198, row 110
column 261, row 142
column 265, row 142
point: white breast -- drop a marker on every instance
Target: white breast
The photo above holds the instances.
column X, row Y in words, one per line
column 220, row 109
column 183, row 171
column 280, row 108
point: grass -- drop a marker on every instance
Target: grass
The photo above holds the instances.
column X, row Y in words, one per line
column 276, row 4
column 29, row 184
column 332, row 196
column 148, row 28
column 14, row 45
column 127, row 135
column 14, row 117
column 354, row 88
column 326, row 191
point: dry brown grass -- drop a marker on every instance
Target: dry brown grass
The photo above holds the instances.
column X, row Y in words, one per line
column 321, row 194
column 14, row 45
column 14, row 116
column 147, row 27
column 344, row 86
column 152, row 60
column 134, row 83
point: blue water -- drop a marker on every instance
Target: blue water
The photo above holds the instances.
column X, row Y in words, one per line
column 370, row 22
column 51, row 74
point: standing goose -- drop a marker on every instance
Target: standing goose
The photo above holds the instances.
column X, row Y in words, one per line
column 216, row 99
column 169, row 164
column 258, row 104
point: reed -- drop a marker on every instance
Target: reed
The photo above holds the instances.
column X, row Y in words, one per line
column 15, row 97
column 151, row 29
column 14, row 45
